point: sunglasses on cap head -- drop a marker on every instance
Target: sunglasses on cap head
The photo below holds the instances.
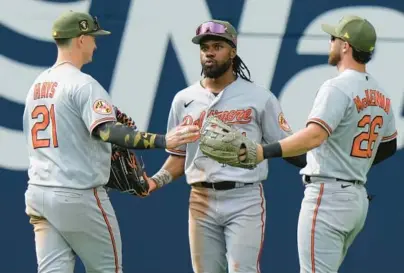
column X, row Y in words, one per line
column 211, row 27
column 218, row 29
column 96, row 24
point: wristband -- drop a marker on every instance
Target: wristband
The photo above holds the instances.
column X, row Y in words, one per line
column 162, row 177
column 160, row 141
column 272, row 150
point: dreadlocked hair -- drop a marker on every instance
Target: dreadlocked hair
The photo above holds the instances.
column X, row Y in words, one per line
column 239, row 67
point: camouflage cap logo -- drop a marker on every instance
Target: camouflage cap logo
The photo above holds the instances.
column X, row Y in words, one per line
column 83, row 25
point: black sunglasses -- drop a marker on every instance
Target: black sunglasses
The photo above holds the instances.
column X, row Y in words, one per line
column 96, row 24
column 333, row 38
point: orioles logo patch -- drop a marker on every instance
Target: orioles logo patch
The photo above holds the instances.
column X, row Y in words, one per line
column 283, row 123
column 102, row 107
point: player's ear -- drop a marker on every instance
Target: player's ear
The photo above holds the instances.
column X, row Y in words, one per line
column 345, row 47
column 80, row 40
column 233, row 53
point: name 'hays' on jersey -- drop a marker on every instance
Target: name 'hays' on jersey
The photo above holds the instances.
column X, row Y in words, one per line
column 357, row 114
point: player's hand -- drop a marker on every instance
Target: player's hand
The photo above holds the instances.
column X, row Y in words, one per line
column 243, row 154
column 151, row 182
column 260, row 153
column 152, row 185
column 182, row 134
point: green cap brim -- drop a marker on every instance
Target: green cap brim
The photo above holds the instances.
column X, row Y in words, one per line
column 197, row 39
column 329, row 29
column 100, row 32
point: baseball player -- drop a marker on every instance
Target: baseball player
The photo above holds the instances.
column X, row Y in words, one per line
column 350, row 128
column 227, row 210
column 69, row 124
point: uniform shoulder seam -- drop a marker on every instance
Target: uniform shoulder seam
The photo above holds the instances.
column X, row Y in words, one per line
column 91, row 81
column 184, row 90
column 329, row 83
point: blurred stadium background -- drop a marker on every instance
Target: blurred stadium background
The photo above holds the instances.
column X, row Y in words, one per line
column 150, row 57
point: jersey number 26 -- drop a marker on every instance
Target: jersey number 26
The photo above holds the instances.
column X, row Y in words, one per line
column 48, row 118
column 369, row 136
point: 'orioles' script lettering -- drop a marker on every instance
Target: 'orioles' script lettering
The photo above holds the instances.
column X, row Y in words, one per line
column 240, row 116
column 45, row 90
column 372, row 98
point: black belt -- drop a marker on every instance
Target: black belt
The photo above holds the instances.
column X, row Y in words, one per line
column 224, row 185
column 307, row 179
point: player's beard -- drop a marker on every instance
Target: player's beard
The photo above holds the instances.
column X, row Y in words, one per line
column 215, row 71
column 334, row 58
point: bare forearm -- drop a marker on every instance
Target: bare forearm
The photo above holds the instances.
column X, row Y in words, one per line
column 172, row 169
column 298, row 144
column 122, row 135
column 175, row 165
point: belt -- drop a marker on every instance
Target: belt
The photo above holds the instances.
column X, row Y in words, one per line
column 307, row 179
column 224, row 185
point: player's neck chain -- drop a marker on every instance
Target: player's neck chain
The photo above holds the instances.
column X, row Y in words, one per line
column 64, row 62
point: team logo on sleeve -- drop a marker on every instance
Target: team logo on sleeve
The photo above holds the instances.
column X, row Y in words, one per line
column 102, row 107
column 283, row 123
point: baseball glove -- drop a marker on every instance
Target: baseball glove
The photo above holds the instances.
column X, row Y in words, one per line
column 123, row 118
column 223, row 143
column 127, row 174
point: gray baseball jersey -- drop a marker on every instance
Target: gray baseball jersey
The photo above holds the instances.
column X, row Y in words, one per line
column 66, row 201
column 357, row 114
column 62, row 108
column 226, row 228
column 251, row 109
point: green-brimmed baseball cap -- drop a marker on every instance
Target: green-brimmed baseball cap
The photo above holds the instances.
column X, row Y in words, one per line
column 358, row 32
column 72, row 24
column 216, row 28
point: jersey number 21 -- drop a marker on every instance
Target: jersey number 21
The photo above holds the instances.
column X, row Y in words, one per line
column 48, row 118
